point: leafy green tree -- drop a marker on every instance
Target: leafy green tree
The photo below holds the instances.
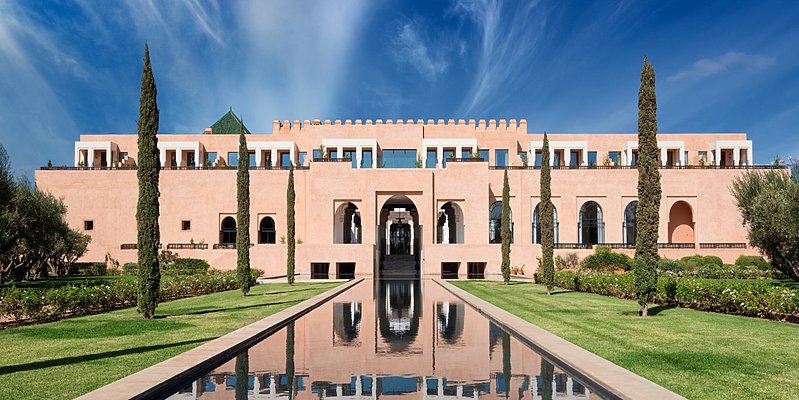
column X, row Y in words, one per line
column 243, row 215
column 769, row 206
column 147, row 209
column 649, row 192
column 7, row 189
column 546, row 219
column 242, row 374
column 290, row 228
column 505, row 233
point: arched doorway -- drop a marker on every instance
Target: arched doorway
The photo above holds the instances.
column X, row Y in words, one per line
column 449, row 228
column 537, row 224
column 591, row 229
column 347, row 228
column 227, row 231
column 681, row 223
column 630, row 228
column 266, row 231
column 495, row 222
column 400, row 238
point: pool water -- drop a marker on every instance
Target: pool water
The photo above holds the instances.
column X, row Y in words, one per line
column 388, row 339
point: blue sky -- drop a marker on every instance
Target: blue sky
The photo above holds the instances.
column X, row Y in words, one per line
column 566, row 66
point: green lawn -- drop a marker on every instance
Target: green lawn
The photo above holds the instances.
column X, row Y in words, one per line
column 67, row 358
column 699, row 355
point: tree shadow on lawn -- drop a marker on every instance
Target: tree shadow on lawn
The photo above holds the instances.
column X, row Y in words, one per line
column 93, row 328
column 95, row 356
column 653, row 311
column 202, row 310
column 283, row 291
column 562, row 292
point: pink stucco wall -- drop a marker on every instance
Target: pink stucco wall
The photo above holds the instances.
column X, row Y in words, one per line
column 205, row 196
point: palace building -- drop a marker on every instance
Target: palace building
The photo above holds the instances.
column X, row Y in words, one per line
column 402, row 197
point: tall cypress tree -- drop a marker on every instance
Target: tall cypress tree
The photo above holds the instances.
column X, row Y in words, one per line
column 507, row 372
column 505, row 229
column 290, row 227
column 290, row 381
column 647, row 213
column 147, row 208
column 243, row 214
column 546, row 220
column 242, row 375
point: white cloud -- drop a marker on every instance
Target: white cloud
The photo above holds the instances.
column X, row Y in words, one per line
column 706, row 67
column 509, row 38
column 412, row 49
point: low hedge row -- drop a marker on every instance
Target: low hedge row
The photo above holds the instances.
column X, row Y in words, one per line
column 42, row 305
column 753, row 298
column 179, row 266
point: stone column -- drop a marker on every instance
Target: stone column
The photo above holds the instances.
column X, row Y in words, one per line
column 458, row 151
column 551, row 156
column 663, row 156
column 629, row 161
column 736, row 156
column 339, row 152
column 197, row 161
column 585, row 157
column 749, row 156
column 682, row 157
column 178, row 157
column 259, row 155
column 388, row 237
column 412, row 235
column 374, row 156
column 439, row 157
column 717, row 156
column 273, row 155
column 292, row 155
column 77, row 156
column 163, row 157
column 358, row 156
column 567, row 154
column 108, row 157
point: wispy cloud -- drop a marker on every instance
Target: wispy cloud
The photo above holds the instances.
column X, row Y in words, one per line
column 509, row 38
column 410, row 48
column 706, row 67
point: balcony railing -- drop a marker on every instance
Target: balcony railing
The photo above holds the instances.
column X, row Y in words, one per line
column 722, row 245
column 187, row 246
column 676, row 245
column 573, row 246
column 466, row 159
column 343, row 159
column 134, row 246
column 619, row 245
column 227, row 246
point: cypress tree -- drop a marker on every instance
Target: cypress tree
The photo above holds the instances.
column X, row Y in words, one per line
column 290, row 227
column 147, row 208
column 546, row 220
column 242, row 375
column 290, row 359
column 243, row 215
column 505, row 229
column 647, row 214
column 506, row 367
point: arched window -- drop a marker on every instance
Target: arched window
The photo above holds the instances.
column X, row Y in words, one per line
column 449, row 228
column 591, row 229
column 495, row 223
column 630, row 230
column 681, row 223
column 352, row 224
column 266, row 230
column 227, row 235
column 537, row 224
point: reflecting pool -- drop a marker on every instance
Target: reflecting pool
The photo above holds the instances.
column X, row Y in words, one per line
column 388, row 339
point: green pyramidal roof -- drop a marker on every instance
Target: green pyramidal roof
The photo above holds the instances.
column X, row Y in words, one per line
column 228, row 124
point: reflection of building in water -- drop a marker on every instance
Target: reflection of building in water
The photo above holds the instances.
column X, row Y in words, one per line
column 399, row 313
column 384, row 347
column 346, row 323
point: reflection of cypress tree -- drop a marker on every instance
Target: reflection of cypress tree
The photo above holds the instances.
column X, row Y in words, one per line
column 242, row 375
column 506, row 371
column 547, row 376
column 290, row 359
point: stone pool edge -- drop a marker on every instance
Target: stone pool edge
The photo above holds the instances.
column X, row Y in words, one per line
column 157, row 380
column 615, row 381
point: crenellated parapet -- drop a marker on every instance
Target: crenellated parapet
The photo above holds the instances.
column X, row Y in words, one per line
column 501, row 125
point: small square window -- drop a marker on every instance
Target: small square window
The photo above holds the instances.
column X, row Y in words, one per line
column 185, row 225
column 88, row 225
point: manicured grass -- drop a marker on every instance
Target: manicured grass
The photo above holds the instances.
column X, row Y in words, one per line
column 699, row 355
column 67, row 358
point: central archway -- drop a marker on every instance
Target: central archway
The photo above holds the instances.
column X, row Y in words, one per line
column 400, row 238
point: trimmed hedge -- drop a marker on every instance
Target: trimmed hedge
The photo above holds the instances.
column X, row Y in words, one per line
column 757, row 261
column 749, row 298
column 697, row 260
column 179, row 266
column 42, row 305
column 605, row 260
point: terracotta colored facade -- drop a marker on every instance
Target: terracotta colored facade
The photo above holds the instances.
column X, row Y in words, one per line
column 390, row 209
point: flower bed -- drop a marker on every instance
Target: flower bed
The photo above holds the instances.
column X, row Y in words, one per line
column 754, row 298
column 42, row 305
